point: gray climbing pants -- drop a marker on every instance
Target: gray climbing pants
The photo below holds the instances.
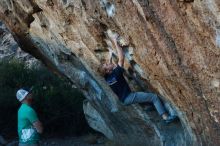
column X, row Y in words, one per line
column 141, row 97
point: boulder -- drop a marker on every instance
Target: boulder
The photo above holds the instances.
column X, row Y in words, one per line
column 173, row 50
column 10, row 50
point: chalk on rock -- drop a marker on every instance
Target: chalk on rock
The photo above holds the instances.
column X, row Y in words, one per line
column 215, row 83
column 129, row 52
column 110, row 9
column 103, row 3
column 218, row 36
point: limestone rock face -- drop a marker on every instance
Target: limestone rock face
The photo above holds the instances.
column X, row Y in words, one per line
column 173, row 50
column 10, row 50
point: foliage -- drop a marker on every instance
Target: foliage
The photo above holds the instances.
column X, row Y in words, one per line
column 59, row 106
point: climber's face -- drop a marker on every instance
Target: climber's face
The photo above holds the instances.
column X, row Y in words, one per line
column 108, row 68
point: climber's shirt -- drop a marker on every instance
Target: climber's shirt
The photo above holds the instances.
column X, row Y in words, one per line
column 118, row 83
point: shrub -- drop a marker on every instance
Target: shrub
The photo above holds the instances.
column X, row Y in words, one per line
column 59, row 106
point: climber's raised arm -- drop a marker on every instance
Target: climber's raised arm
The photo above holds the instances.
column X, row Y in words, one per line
column 109, row 60
column 119, row 51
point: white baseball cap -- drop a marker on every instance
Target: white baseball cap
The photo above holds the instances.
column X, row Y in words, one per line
column 22, row 93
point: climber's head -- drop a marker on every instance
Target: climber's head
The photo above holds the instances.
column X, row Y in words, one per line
column 106, row 68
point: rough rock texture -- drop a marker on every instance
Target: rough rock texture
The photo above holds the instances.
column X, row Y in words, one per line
column 10, row 50
column 174, row 48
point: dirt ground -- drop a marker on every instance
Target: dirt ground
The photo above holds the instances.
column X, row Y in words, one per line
column 88, row 140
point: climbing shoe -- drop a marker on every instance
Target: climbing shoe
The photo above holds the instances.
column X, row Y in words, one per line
column 170, row 119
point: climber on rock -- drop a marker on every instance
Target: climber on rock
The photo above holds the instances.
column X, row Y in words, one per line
column 113, row 74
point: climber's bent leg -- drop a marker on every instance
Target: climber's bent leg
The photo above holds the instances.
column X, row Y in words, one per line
column 140, row 97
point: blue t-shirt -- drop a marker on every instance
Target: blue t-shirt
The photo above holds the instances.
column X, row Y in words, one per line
column 118, row 83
